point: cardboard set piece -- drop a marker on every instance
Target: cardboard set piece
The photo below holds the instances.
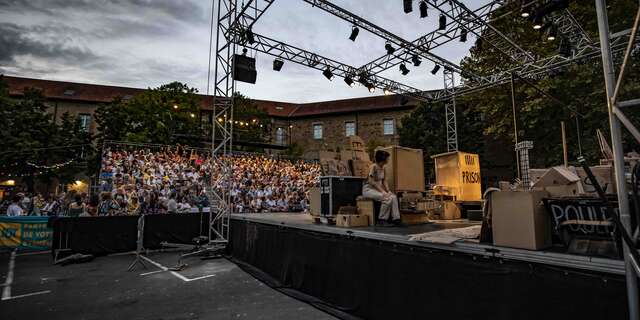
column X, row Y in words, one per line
column 352, row 160
column 458, row 176
column 519, row 220
column 405, row 169
column 563, row 181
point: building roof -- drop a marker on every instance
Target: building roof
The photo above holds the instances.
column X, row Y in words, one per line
column 83, row 92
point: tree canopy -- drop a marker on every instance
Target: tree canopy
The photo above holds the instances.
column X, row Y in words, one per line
column 574, row 95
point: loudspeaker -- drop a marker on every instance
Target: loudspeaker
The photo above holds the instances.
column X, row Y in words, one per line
column 244, row 68
column 408, row 6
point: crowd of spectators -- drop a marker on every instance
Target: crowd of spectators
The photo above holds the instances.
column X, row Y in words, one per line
column 175, row 180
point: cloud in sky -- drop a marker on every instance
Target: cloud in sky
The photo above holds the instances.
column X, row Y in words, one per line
column 146, row 43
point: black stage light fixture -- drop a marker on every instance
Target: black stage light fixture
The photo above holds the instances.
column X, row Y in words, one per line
column 354, row 33
column 442, row 22
column 404, row 69
column 249, row 36
column 371, row 87
column 552, row 33
column 349, row 81
column 538, row 22
column 416, row 60
column 525, row 12
column 390, row 48
column 463, row 35
column 277, row 64
column 423, row 9
column 387, row 91
column 328, row 74
column 408, row 5
column 435, row 69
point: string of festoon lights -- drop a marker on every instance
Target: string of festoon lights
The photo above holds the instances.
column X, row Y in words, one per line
column 43, row 169
column 254, row 122
column 53, row 166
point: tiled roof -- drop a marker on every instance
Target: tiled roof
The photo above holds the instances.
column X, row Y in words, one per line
column 83, row 92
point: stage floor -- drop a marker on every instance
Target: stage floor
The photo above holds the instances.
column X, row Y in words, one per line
column 404, row 235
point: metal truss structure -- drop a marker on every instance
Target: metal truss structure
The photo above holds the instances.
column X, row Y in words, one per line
column 235, row 28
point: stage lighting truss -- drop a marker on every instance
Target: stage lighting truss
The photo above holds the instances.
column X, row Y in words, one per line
column 234, row 21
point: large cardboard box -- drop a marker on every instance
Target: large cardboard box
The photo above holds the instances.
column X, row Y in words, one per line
column 365, row 208
column 352, row 220
column 450, row 211
column 314, row 201
column 519, row 220
column 458, row 173
column 405, row 170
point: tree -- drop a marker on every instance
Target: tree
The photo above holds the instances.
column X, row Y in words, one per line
column 251, row 122
column 574, row 95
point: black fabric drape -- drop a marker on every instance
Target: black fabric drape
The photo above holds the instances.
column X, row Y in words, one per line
column 374, row 279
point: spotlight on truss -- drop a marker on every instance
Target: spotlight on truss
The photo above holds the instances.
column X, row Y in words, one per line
column 354, row 33
column 371, row 87
column 538, row 23
column 328, row 74
column 387, row 91
column 408, row 5
column 442, row 21
column 349, row 81
column 277, row 64
column 390, row 48
column 463, row 35
column 423, row 9
column 416, row 60
column 403, row 69
column 249, row 36
column 552, row 33
column 435, row 69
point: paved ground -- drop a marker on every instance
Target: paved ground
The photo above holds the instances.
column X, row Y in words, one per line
column 103, row 289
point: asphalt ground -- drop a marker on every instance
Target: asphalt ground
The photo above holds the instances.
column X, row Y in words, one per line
column 104, row 289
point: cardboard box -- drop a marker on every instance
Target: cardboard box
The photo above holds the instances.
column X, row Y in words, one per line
column 405, row 170
column 459, row 174
column 519, row 220
column 605, row 176
column 360, row 168
column 314, row 201
column 450, row 211
column 352, row 220
column 365, row 208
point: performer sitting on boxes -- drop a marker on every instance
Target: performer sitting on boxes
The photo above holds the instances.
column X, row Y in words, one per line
column 376, row 188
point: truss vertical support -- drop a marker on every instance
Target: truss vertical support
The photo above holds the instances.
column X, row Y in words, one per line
column 618, row 156
column 450, row 110
column 222, row 125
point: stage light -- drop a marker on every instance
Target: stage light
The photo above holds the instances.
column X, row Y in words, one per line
column 390, row 48
column 408, row 5
column 277, row 64
column 387, row 91
column 537, row 23
column 404, row 69
column 423, row 9
column 349, row 81
column 192, row 115
column 371, row 88
column 463, row 35
column 552, row 33
column 354, row 33
column 416, row 60
column 175, row 106
column 250, row 37
column 442, row 22
column 525, row 12
column 435, row 69
column 220, row 120
column 328, row 74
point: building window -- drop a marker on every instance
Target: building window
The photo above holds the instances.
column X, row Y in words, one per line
column 349, row 128
column 85, row 121
column 317, row 131
column 388, row 127
column 280, row 135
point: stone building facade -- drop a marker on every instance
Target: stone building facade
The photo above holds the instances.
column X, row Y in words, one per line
column 314, row 126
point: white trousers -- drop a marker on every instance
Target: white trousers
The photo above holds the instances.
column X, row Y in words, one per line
column 389, row 204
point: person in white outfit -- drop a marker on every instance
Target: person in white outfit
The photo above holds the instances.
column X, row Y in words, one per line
column 376, row 188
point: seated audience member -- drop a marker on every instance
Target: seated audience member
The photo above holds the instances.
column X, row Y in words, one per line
column 14, row 209
column 107, row 206
column 77, row 207
column 376, row 188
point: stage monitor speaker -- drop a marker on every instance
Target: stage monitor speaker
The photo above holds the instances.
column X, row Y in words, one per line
column 244, row 68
